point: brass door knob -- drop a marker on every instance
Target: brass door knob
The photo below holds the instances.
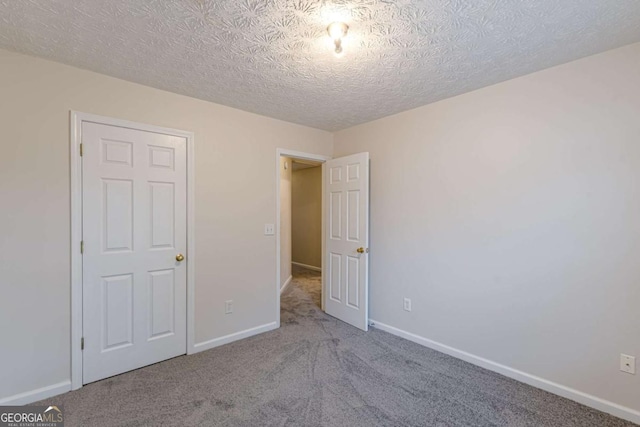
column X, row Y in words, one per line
column 179, row 257
column 360, row 250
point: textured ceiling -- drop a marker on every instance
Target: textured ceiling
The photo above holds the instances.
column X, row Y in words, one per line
column 273, row 57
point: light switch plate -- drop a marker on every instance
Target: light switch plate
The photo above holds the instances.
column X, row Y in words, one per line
column 269, row 229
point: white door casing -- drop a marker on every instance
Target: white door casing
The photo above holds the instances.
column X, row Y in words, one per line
column 134, row 210
column 346, row 217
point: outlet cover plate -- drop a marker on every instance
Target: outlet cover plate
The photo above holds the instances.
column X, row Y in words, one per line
column 628, row 364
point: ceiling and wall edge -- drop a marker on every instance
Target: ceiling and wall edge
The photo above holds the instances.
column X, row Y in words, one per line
column 274, row 57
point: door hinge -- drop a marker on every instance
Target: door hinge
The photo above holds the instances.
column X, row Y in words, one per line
column 82, row 343
column 81, row 246
column 81, row 150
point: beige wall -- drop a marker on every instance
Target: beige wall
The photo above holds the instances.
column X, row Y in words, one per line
column 307, row 216
column 508, row 215
column 233, row 202
column 511, row 217
column 285, row 220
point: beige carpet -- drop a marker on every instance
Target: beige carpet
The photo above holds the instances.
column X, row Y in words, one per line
column 318, row 371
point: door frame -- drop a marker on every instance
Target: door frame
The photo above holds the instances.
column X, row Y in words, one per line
column 283, row 152
column 76, row 120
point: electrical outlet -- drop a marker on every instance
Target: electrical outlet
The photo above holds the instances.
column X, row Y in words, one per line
column 228, row 307
column 269, row 229
column 407, row 304
column 628, row 364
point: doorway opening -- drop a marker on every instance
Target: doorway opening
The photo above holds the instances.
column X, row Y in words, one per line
column 299, row 233
column 344, row 234
column 301, row 226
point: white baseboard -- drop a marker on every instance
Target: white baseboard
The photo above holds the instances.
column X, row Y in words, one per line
column 283, row 287
column 572, row 394
column 37, row 394
column 217, row 342
column 308, row 267
column 65, row 386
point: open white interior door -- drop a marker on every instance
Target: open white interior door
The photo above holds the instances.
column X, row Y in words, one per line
column 345, row 266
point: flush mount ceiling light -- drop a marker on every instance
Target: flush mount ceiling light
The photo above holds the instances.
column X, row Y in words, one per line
column 337, row 31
